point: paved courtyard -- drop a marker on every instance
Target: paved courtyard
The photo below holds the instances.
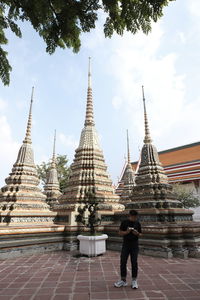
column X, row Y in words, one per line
column 60, row 276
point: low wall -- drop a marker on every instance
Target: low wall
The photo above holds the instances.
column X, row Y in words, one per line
column 16, row 241
column 160, row 240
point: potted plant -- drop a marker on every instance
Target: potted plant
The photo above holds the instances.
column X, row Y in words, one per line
column 92, row 243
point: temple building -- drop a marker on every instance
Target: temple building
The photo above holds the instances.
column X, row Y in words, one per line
column 126, row 182
column 88, row 173
column 21, row 200
column 52, row 188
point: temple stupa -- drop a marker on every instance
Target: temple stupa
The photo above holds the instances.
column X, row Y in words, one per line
column 21, row 200
column 168, row 227
column 152, row 193
column 88, row 173
column 126, row 183
column 52, row 188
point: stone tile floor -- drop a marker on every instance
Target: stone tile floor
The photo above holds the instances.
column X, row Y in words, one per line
column 60, row 276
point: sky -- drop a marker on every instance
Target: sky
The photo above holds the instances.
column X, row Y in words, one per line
column 166, row 62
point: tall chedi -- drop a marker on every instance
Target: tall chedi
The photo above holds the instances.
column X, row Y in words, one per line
column 126, row 182
column 168, row 228
column 88, row 172
column 21, row 200
column 52, row 188
column 152, row 190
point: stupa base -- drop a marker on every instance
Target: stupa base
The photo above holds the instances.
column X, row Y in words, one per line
column 164, row 252
column 67, row 213
column 194, row 252
column 30, row 239
column 18, row 218
column 167, row 239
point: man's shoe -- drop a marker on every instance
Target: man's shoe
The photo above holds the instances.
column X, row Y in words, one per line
column 120, row 283
column 134, row 284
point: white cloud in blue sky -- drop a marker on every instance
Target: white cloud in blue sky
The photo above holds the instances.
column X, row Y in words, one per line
column 166, row 62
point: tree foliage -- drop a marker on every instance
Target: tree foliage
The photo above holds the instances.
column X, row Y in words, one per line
column 186, row 196
column 61, row 22
column 62, row 169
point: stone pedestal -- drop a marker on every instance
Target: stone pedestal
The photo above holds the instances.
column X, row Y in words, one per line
column 92, row 245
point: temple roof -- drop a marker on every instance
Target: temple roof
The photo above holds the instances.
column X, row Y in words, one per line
column 182, row 154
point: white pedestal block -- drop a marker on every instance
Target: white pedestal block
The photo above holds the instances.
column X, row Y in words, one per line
column 92, row 245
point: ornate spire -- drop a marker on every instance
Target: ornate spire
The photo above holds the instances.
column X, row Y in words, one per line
column 89, row 118
column 52, row 188
column 147, row 138
column 89, row 73
column 126, row 182
column 150, row 170
column 25, row 154
column 53, row 163
column 128, row 149
column 27, row 139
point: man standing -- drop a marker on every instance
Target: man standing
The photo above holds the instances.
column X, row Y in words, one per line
column 130, row 230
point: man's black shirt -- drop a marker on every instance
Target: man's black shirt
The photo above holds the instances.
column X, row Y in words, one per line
column 130, row 238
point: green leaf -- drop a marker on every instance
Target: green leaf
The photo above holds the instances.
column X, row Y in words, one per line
column 15, row 28
column 63, row 171
column 5, row 67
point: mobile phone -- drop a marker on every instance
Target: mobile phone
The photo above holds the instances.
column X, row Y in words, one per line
column 132, row 228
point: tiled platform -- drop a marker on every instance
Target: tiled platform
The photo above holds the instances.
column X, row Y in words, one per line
column 60, row 276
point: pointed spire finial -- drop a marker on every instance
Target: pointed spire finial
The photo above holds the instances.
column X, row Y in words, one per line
column 89, row 119
column 128, row 149
column 89, row 73
column 54, row 151
column 147, row 138
column 29, row 123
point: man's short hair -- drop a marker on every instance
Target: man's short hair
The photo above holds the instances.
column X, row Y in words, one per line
column 133, row 212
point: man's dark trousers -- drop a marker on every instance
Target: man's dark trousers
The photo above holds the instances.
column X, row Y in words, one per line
column 132, row 250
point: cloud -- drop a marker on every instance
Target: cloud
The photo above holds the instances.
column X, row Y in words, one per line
column 96, row 36
column 138, row 61
column 194, row 7
column 2, row 105
column 67, row 145
column 8, row 146
column 68, row 140
column 182, row 37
